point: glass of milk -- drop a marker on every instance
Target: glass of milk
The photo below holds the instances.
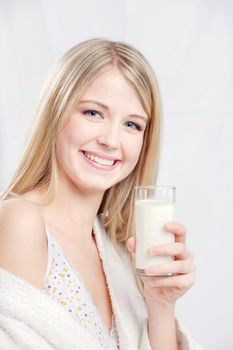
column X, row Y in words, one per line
column 154, row 207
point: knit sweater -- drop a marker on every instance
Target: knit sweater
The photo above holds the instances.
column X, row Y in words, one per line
column 30, row 319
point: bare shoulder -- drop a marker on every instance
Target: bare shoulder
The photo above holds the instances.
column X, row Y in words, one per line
column 23, row 245
column 15, row 205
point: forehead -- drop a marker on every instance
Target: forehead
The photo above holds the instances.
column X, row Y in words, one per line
column 111, row 87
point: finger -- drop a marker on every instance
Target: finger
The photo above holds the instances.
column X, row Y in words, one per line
column 131, row 244
column 178, row 250
column 180, row 281
column 179, row 230
column 176, row 267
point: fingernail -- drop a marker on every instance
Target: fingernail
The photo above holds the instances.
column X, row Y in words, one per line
column 169, row 226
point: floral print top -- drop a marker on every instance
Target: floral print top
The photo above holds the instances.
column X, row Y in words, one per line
column 64, row 284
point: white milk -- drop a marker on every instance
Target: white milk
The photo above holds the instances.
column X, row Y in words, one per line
column 151, row 216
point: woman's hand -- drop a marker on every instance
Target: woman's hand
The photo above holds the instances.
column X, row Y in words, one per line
column 164, row 291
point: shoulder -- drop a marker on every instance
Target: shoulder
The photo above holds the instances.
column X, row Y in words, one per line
column 19, row 214
column 15, row 204
column 23, row 245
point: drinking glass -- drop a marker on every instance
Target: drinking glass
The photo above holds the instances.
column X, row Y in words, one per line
column 154, row 207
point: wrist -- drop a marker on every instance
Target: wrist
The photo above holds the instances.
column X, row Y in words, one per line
column 156, row 311
column 163, row 306
column 162, row 326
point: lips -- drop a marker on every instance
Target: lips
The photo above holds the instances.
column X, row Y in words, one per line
column 99, row 160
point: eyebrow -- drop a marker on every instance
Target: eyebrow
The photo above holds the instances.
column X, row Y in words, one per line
column 107, row 108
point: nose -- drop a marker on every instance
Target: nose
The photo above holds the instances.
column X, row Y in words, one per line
column 109, row 137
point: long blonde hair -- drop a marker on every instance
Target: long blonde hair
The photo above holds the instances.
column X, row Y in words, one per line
column 66, row 83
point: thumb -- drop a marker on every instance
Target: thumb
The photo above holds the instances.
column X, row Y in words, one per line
column 131, row 244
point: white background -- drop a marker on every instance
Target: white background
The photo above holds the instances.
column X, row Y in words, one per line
column 189, row 44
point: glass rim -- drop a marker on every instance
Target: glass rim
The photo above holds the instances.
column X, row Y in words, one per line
column 155, row 187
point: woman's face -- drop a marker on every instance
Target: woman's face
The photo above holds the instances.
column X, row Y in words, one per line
column 101, row 142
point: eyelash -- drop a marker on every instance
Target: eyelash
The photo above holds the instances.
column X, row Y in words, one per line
column 137, row 126
column 89, row 111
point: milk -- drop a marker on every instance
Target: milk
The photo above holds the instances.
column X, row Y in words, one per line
column 151, row 215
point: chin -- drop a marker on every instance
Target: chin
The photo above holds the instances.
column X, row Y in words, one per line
column 92, row 188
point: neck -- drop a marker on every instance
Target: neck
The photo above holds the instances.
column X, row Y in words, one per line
column 72, row 211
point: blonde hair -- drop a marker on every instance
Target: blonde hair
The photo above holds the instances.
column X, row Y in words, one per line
column 65, row 85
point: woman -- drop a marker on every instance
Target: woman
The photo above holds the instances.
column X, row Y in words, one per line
column 67, row 216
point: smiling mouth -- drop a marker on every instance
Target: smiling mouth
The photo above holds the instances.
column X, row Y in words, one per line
column 99, row 160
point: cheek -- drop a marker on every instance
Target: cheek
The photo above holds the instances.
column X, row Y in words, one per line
column 69, row 137
column 134, row 151
column 64, row 143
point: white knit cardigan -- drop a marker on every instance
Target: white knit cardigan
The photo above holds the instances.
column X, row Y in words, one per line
column 30, row 319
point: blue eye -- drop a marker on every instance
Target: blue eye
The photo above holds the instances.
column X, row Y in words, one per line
column 92, row 113
column 133, row 125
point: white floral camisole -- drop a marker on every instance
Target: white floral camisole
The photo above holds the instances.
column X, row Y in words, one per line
column 64, row 284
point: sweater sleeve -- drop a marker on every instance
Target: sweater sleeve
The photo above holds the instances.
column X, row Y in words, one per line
column 145, row 342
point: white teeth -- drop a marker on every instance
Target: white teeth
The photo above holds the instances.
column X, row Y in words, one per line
column 98, row 160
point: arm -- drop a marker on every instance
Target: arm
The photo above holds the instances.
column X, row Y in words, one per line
column 162, row 327
column 23, row 246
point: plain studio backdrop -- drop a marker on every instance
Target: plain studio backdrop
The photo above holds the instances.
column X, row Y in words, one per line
column 189, row 44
